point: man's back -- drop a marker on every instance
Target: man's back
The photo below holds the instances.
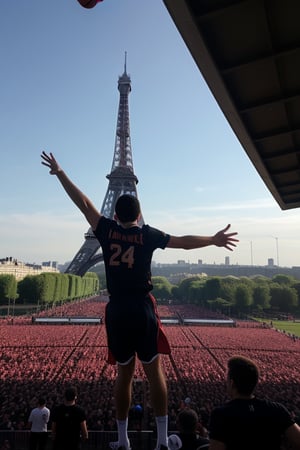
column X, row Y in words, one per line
column 68, row 419
column 127, row 256
column 250, row 423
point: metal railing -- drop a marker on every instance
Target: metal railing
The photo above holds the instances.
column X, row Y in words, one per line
column 98, row 440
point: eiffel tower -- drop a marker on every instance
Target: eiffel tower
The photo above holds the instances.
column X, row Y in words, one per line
column 122, row 180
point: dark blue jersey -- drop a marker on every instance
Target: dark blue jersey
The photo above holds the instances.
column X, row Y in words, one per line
column 127, row 254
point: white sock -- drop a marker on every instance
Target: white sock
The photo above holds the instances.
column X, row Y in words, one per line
column 122, row 432
column 162, row 430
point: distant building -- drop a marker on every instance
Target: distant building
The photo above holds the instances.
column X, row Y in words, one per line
column 181, row 262
column 11, row 266
column 50, row 264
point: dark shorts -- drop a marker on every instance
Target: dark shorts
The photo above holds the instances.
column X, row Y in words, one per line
column 37, row 440
column 133, row 328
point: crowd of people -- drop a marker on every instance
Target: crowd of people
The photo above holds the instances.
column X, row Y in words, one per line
column 77, row 353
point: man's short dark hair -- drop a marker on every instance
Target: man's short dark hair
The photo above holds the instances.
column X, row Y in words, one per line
column 70, row 393
column 127, row 208
column 41, row 401
column 244, row 373
column 187, row 420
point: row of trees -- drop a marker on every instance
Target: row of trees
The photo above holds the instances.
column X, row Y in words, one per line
column 47, row 288
column 230, row 294
column 243, row 294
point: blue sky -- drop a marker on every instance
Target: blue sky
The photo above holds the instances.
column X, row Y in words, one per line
column 59, row 71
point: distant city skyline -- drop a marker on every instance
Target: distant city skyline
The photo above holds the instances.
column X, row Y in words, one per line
column 227, row 262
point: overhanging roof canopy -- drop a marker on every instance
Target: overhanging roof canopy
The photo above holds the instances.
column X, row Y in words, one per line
column 248, row 51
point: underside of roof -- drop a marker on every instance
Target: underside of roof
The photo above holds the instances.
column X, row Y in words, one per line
column 248, row 52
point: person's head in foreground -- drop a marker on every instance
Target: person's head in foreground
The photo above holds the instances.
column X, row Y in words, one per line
column 242, row 376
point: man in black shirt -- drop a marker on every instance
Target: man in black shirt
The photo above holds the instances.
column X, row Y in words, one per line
column 131, row 319
column 68, row 423
column 247, row 422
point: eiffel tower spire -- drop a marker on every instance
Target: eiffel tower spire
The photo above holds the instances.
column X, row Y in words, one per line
column 122, row 180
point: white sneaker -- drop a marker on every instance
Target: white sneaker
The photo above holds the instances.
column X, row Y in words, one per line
column 174, row 442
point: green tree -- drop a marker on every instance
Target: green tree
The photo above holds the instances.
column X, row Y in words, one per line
column 8, row 290
column 228, row 287
column 260, row 279
column 176, row 294
column 195, row 293
column 47, row 290
column 184, row 286
column 162, row 288
column 222, row 305
column 243, row 297
column 72, row 286
column 213, row 288
column 91, row 283
column 296, row 286
column 261, row 296
column 64, row 286
column 284, row 298
column 282, row 279
column 31, row 289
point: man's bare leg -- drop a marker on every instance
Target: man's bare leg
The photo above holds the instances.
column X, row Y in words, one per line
column 158, row 398
column 123, row 392
column 123, row 389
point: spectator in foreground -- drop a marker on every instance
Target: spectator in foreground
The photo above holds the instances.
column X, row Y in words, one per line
column 247, row 422
column 68, row 423
column 187, row 438
column 37, row 422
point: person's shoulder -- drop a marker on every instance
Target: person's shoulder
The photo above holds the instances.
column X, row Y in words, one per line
column 79, row 407
column 227, row 405
column 58, row 407
column 265, row 402
column 104, row 221
column 270, row 404
column 80, row 411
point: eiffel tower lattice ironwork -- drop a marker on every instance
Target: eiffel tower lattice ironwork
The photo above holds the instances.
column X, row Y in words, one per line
column 122, row 180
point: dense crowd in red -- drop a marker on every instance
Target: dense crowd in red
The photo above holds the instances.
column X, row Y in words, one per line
column 41, row 359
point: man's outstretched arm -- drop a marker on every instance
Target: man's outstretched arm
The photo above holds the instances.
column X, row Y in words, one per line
column 79, row 198
column 220, row 239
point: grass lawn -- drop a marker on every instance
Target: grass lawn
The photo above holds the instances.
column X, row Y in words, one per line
column 286, row 325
